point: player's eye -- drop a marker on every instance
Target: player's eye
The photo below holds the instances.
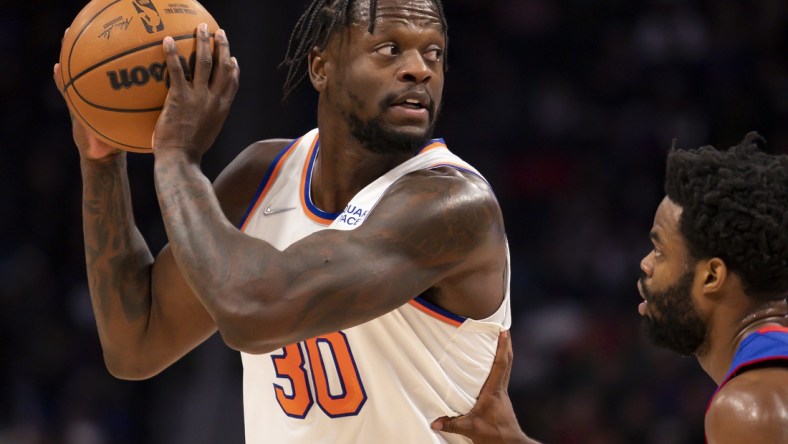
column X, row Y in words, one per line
column 388, row 49
column 434, row 54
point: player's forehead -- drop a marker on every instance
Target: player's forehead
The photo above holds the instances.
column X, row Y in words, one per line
column 666, row 222
column 418, row 12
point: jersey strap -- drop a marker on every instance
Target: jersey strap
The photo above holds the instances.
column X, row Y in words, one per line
column 268, row 180
column 769, row 344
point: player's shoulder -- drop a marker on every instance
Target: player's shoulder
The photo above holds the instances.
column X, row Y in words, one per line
column 752, row 407
column 461, row 187
column 237, row 184
column 442, row 197
column 257, row 156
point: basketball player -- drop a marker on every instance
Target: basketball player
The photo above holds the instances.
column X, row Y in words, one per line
column 360, row 269
column 714, row 286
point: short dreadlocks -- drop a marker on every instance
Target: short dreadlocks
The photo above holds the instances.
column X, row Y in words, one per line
column 316, row 26
column 735, row 207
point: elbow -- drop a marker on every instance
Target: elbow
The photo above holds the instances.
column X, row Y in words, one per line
column 251, row 323
column 242, row 335
column 130, row 369
column 244, row 345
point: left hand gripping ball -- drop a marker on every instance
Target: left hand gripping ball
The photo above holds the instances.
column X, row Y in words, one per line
column 114, row 73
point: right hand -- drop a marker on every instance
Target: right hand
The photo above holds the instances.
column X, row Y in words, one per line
column 196, row 105
column 89, row 145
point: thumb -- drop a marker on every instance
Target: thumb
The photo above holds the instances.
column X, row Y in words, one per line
column 459, row 424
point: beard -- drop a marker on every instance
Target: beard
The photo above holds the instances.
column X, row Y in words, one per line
column 675, row 323
column 377, row 138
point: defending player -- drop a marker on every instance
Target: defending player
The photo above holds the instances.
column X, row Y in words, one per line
column 714, row 286
column 368, row 281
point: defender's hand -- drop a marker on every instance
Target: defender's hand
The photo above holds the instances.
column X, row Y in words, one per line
column 195, row 110
column 492, row 419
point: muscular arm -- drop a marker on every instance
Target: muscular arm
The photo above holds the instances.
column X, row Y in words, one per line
column 753, row 407
column 146, row 314
column 428, row 228
column 139, row 334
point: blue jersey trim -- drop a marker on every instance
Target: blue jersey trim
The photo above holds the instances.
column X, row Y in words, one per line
column 758, row 347
column 440, row 310
column 264, row 182
column 308, row 185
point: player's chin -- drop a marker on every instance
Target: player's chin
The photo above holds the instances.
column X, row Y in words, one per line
column 413, row 132
column 409, row 123
column 411, row 127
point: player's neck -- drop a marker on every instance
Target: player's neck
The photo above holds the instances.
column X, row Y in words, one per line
column 344, row 167
column 728, row 336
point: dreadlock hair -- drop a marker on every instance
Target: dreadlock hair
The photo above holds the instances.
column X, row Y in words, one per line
column 735, row 207
column 316, row 26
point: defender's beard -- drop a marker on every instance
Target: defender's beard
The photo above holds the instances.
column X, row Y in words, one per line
column 674, row 322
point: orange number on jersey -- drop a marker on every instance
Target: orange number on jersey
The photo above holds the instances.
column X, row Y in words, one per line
column 351, row 396
column 290, row 365
column 333, row 356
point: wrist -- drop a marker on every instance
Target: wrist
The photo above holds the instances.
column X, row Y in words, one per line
column 174, row 155
column 114, row 160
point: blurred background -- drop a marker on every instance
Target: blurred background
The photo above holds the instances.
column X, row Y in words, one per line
column 568, row 108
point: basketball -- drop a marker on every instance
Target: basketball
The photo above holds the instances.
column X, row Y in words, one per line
column 113, row 67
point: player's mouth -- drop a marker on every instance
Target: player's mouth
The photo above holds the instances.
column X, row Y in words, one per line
column 413, row 105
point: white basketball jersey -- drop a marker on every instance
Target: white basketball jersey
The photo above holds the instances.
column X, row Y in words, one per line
column 380, row 382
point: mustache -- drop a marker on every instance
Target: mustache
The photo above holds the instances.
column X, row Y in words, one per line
column 389, row 99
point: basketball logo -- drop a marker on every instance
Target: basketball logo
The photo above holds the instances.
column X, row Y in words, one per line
column 149, row 16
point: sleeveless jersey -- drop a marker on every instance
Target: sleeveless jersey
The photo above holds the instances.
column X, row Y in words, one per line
column 383, row 381
column 768, row 345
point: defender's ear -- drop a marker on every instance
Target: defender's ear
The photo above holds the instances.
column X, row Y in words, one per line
column 317, row 69
column 715, row 275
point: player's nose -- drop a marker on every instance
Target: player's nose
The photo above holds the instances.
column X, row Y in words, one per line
column 414, row 68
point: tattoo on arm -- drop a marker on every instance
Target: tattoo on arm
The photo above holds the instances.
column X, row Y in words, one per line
column 117, row 258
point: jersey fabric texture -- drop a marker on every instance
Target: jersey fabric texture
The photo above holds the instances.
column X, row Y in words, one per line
column 765, row 347
column 380, row 382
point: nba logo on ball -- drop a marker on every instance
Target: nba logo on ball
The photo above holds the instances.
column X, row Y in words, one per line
column 112, row 64
column 149, row 15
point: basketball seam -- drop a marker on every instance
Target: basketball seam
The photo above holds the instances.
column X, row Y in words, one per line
column 76, row 39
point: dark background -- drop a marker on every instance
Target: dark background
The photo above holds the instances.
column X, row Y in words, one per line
column 568, row 107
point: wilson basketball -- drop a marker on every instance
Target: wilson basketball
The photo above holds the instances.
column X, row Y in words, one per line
column 114, row 73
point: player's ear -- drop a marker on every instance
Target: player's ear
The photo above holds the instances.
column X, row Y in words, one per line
column 317, row 69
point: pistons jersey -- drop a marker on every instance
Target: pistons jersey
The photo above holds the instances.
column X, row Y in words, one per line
column 383, row 381
column 765, row 347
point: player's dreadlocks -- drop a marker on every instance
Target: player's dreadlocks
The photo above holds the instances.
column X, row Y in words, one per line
column 735, row 207
column 316, row 26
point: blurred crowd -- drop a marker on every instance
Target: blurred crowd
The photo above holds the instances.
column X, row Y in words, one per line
column 567, row 107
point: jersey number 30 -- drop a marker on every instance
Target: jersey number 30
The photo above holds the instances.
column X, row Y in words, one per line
column 332, row 370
